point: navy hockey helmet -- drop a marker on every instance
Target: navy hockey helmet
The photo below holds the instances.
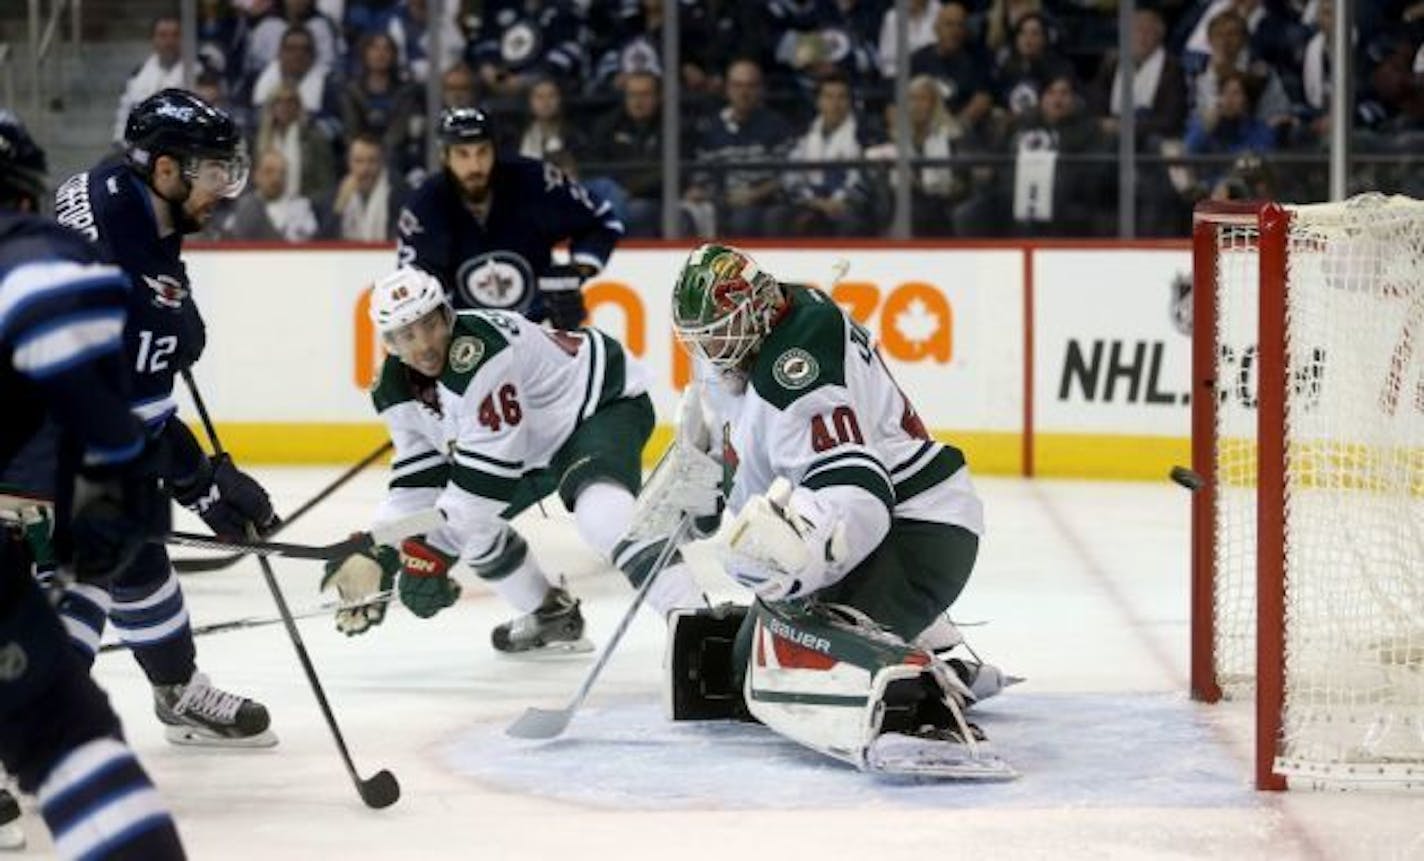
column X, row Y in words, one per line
column 22, row 162
column 465, row 125
column 182, row 125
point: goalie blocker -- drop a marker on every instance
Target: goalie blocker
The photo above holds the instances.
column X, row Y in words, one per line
column 827, row 677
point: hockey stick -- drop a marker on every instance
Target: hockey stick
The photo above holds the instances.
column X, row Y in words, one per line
column 217, row 563
column 537, row 723
column 385, row 534
column 380, row 789
column 263, row 621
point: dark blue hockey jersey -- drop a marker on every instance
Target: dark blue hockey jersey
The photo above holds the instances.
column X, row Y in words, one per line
column 61, row 327
column 111, row 206
column 497, row 264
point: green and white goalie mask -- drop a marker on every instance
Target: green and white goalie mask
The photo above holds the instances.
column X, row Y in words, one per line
column 724, row 305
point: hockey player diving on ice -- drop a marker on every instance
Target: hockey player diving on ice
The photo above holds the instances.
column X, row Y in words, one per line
column 490, row 413
column 853, row 527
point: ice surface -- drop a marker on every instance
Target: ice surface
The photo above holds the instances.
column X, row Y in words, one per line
column 1083, row 589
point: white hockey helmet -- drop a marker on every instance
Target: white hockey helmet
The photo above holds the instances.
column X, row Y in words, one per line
column 404, row 296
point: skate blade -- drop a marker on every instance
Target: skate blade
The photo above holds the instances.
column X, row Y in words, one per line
column 897, row 754
column 191, row 736
column 12, row 837
column 552, row 651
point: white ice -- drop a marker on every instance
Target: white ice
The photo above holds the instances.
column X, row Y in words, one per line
column 1082, row 588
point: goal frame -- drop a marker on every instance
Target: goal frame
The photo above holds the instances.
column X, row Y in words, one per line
column 1273, row 226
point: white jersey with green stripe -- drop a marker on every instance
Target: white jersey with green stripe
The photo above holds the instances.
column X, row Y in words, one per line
column 821, row 409
column 511, row 394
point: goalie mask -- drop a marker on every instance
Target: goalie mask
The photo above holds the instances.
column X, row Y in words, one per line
column 410, row 310
column 724, row 305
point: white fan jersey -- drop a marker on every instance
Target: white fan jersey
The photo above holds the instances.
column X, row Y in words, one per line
column 821, row 409
column 510, row 396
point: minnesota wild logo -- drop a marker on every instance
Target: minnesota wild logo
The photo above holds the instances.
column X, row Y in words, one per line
column 465, row 352
column 796, row 369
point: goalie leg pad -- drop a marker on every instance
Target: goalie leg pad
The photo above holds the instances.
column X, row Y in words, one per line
column 704, row 681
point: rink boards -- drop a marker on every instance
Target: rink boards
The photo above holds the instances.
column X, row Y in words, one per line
column 1064, row 359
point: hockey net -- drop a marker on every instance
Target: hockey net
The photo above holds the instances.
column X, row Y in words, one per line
column 1308, row 535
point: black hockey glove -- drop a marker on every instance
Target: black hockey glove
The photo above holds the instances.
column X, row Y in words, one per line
column 561, row 289
column 115, row 511
column 228, row 500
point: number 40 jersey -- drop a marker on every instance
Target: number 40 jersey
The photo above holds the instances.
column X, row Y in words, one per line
column 510, row 396
column 821, row 409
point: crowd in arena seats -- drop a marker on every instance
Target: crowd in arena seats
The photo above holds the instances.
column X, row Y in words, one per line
column 1016, row 101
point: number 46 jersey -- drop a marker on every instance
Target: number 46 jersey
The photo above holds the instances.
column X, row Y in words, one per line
column 510, row 396
column 821, row 409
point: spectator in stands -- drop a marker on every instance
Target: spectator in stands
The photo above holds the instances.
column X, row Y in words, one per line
column 747, row 202
column 637, row 45
column 213, row 89
column 265, row 212
column 1030, row 65
column 379, row 101
column 631, row 136
column 1001, row 22
column 410, row 28
column 286, row 127
column 519, row 43
column 934, row 134
column 1051, row 196
column 222, row 36
column 296, row 67
column 1230, row 128
column 1229, row 54
column 162, row 69
column 1315, row 69
column 1274, row 32
column 960, row 68
column 924, row 15
column 829, row 201
column 812, row 40
column 1159, row 89
column 458, row 87
column 548, row 129
column 368, row 199
column 268, row 36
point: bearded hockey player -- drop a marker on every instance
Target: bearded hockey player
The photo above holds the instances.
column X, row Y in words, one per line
column 182, row 157
column 489, row 413
column 854, row 528
column 486, row 225
column 61, row 324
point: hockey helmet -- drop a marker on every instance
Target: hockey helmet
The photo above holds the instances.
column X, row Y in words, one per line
column 22, row 162
column 723, row 305
column 465, row 125
column 204, row 139
column 403, row 297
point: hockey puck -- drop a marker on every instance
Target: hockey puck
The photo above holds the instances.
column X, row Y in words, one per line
column 380, row 790
column 1187, row 478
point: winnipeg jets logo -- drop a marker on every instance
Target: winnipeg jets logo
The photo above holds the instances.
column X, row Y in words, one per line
column 499, row 279
column 168, row 292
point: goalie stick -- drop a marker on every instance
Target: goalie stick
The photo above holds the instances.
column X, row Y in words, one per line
column 217, row 563
column 537, row 723
column 380, row 789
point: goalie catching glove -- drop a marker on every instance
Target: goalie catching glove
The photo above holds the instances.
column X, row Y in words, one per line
column 425, row 584
column 785, row 544
column 358, row 578
column 227, row 499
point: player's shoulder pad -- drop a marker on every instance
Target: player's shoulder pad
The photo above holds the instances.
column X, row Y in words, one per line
column 477, row 338
column 805, row 350
column 392, row 385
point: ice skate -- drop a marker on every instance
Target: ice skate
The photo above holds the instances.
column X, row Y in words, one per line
column 12, row 835
column 554, row 627
column 199, row 714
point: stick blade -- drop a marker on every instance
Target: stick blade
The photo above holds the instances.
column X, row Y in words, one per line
column 380, row 790
column 540, row 723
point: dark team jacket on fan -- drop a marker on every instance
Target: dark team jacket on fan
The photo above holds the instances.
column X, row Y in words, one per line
column 497, row 264
column 61, row 325
column 111, row 206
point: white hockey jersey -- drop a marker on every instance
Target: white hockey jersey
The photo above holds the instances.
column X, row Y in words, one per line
column 821, row 409
column 510, row 396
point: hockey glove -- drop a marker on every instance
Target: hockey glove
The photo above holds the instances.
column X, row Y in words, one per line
column 228, row 500
column 561, row 291
column 425, row 584
column 358, row 578
column 778, row 552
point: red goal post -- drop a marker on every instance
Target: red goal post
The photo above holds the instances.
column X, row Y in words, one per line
column 1308, row 534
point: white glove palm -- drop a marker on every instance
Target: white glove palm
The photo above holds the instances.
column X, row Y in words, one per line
column 775, row 549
